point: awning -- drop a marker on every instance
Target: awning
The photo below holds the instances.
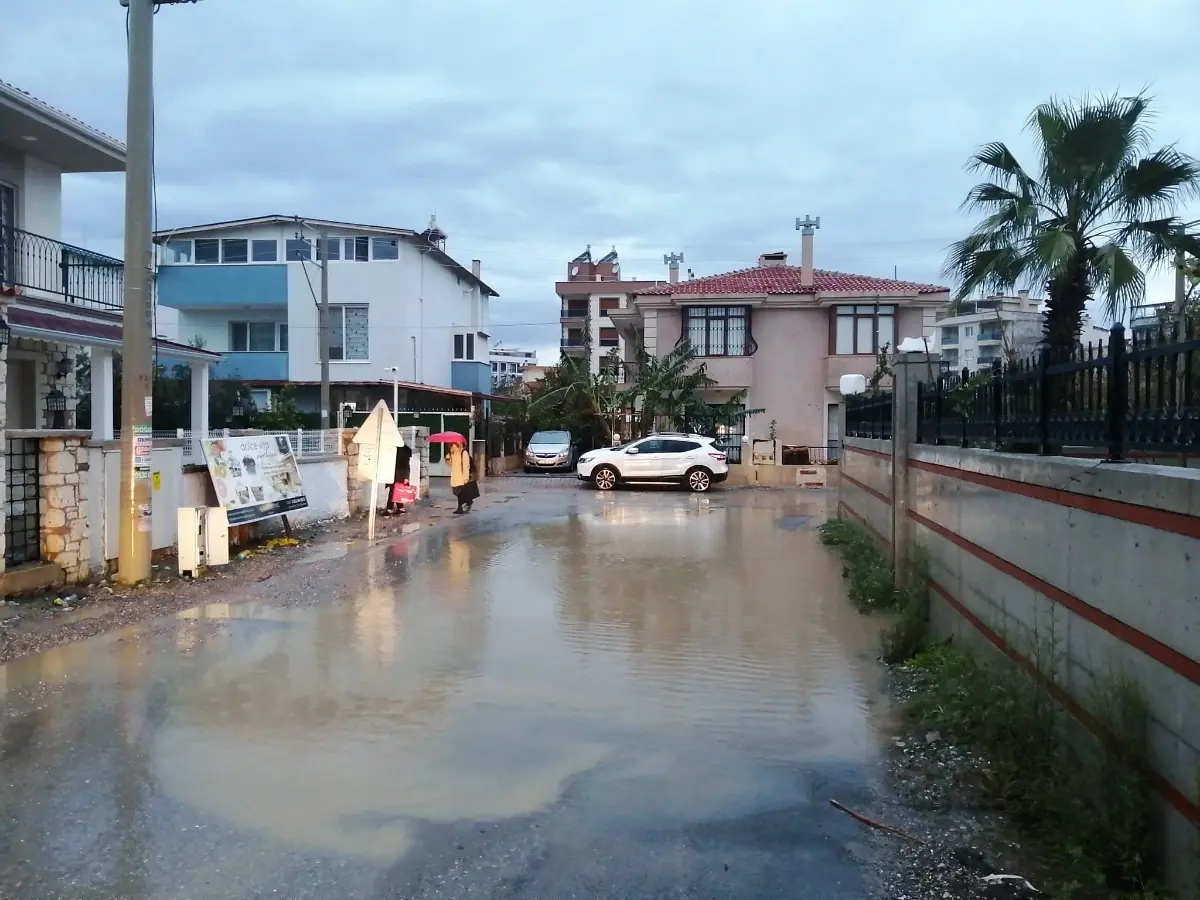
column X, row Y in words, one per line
column 65, row 330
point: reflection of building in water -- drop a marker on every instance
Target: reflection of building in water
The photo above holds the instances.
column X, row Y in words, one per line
column 740, row 612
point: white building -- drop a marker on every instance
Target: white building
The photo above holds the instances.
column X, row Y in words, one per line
column 997, row 328
column 507, row 364
column 250, row 289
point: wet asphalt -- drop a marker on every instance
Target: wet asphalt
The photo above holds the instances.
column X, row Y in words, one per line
column 562, row 695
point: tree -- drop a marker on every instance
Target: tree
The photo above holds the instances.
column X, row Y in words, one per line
column 1091, row 222
column 575, row 399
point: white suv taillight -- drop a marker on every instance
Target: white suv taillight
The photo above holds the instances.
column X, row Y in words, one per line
column 719, row 457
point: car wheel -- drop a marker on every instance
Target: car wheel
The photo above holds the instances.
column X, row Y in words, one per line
column 699, row 480
column 605, row 478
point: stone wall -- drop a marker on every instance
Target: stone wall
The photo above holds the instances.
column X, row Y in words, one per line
column 63, row 497
column 45, row 356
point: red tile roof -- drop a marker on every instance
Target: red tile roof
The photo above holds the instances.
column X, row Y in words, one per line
column 786, row 280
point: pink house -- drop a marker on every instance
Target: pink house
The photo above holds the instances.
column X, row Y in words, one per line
column 784, row 335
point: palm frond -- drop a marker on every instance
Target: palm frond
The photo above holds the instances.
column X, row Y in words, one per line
column 1158, row 182
column 1120, row 278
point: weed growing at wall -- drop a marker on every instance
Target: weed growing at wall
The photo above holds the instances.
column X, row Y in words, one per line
column 871, row 583
column 1091, row 801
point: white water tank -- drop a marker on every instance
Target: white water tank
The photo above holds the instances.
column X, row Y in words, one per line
column 852, row 384
column 203, row 538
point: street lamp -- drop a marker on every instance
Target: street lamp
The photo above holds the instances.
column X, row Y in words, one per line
column 56, row 406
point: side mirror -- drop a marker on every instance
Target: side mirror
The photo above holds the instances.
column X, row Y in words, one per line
column 633, row 450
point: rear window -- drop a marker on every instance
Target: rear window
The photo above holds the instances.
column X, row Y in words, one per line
column 680, row 446
column 551, row 437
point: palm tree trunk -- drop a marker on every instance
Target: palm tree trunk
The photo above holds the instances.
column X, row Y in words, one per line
column 1068, row 299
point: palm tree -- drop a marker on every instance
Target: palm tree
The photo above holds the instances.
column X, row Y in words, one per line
column 1098, row 215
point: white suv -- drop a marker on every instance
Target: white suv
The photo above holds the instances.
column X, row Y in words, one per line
column 688, row 459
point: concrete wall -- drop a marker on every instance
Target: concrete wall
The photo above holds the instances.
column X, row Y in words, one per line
column 1097, row 561
column 39, row 192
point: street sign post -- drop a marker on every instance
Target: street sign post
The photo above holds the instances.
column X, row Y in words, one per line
column 378, row 439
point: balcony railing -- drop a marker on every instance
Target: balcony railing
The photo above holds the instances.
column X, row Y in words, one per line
column 80, row 277
column 574, row 312
column 621, row 372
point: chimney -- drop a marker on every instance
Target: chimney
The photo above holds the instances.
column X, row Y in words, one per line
column 807, row 227
column 1024, row 298
column 476, row 267
column 672, row 261
column 778, row 258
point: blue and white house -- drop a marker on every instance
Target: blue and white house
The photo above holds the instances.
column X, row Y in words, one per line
column 401, row 308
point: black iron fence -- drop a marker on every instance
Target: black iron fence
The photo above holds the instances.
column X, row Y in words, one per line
column 1138, row 394
column 22, row 510
column 78, row 276
column 869, row 415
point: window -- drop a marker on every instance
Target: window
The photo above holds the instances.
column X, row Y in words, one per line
column 257, row 337
column 679, row 446
column 608, row 337
column 208, row 251
column 385, row 248
column 177, row 252
column 264, row 251
column 261, row 398
column 296, row 249
column 235, row 250
column 348, row 333
column 283, row 336
column 357, row 249
column 950, row 335
column 608, row 304
column 653, row 445
column 330, row 248
column 464, row 346
column 863, row 329
column 717, row 330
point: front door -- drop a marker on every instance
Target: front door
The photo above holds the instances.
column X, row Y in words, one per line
column 647, row 462
column 21, row 394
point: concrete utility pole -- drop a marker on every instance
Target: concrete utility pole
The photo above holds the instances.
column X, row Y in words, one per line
column 323, row 251
column 137, row 386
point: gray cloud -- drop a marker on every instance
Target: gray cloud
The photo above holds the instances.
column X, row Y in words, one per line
column 535, row 128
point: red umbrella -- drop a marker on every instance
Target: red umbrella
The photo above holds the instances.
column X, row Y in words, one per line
column 447, row 437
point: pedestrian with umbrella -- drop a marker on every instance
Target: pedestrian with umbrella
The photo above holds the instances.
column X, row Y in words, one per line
column 462, row 475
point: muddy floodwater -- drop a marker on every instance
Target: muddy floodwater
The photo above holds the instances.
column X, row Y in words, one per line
column 641, row 695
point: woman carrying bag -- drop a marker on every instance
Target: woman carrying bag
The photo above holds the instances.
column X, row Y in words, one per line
column 462, row 479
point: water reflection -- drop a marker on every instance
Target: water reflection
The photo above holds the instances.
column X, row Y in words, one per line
column 463, row 678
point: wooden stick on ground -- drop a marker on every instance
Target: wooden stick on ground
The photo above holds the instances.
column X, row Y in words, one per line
column 878, row 825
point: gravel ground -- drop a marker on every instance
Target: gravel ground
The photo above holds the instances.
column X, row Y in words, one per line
column 930, row 794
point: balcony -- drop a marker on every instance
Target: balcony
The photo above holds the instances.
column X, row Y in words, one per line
column 51, row 270
column 857, row 364
column 253, row 366
column 990, row 335
column 573, row 314
column 729, row 371
column 949, row 337
column 574, row 346
column 624, row 373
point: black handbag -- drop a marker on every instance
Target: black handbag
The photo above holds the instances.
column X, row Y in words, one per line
column 468, row 492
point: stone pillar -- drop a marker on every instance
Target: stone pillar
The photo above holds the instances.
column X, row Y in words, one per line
column 62, row 496
column 479, row 458
column 103, row 394
column 353, row 485
column 200, row 403
column 908, row 369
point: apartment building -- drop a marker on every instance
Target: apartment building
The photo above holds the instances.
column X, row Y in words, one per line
column 981, row 332
column 508, row 363
column 401, row 307
column 593, row 291
column 782, row 336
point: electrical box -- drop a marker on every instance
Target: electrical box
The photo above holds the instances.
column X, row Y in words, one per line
column 203, row 538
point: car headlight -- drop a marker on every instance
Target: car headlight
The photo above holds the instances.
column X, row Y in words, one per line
column 584, row 459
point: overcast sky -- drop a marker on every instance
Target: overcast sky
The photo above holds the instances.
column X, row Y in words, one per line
column 535, row 127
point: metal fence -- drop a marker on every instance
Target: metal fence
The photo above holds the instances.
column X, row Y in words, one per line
column 79, row 276
column 1140, row 394
column 22, row 512
column 304, row 442
column 869, row 415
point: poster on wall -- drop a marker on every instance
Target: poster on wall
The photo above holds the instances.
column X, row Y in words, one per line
column 255, row 476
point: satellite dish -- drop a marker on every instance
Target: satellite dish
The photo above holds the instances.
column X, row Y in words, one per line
column 574, row 270
column 616, row 267
column 852, row 384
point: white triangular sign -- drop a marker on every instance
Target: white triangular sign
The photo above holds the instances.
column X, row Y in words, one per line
column 379, row 429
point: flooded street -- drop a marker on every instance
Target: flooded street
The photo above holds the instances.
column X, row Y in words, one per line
column 578, row 695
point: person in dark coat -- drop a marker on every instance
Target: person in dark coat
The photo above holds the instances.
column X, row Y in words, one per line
column 403, row 458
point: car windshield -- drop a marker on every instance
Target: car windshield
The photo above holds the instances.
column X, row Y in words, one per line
column 551, row 437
